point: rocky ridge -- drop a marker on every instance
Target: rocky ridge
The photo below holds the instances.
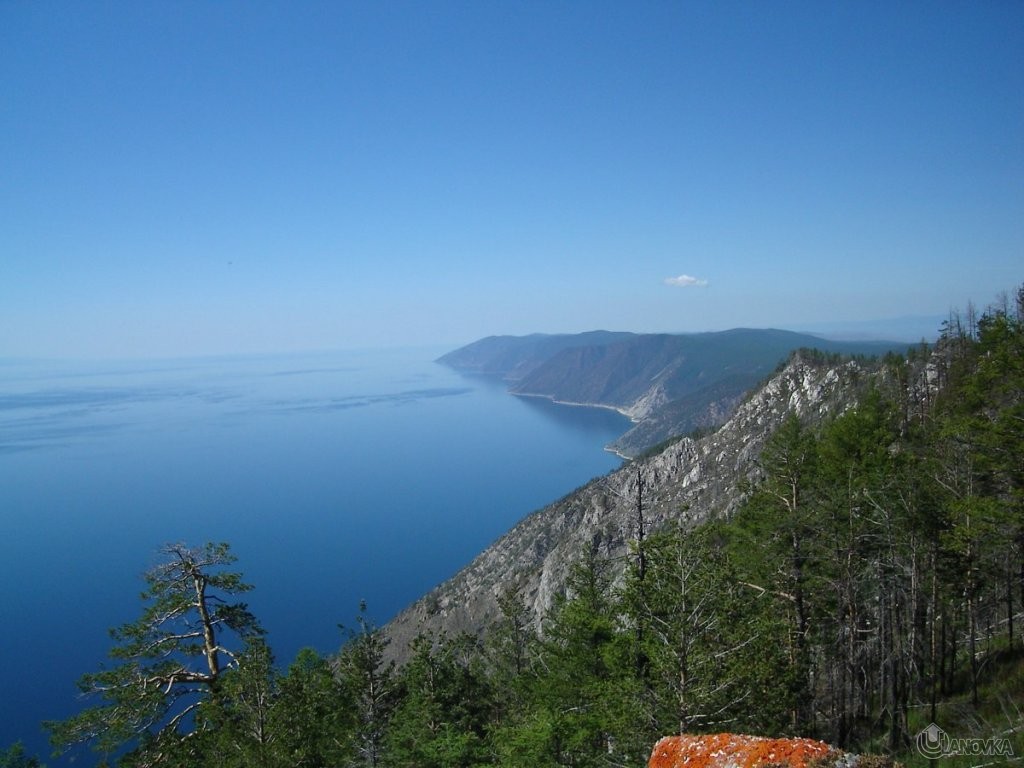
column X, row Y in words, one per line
column 667, row 384
column 689, row 481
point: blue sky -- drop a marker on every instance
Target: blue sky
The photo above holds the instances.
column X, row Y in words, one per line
column 202, row 178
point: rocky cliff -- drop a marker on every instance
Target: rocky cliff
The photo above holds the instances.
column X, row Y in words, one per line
column 690, row 480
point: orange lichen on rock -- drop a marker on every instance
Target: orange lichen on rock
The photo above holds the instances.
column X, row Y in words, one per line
column 730, row 750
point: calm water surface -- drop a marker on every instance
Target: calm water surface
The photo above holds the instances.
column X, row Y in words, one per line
column 335, row 477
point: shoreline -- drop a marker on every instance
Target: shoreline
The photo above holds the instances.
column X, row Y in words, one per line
column 620, row 411
column 551, row 398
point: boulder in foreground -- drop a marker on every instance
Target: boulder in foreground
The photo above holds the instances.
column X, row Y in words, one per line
column 730, row 750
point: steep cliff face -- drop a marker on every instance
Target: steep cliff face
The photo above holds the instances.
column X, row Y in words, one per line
column 700, row 410
column 692, row 480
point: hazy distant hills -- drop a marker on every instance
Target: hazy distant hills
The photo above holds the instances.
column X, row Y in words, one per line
column 669, row 384
column 513, row 357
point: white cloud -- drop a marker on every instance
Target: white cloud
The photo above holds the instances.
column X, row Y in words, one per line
column 685, row 281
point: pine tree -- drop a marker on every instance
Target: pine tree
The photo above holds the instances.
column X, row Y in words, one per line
column 313, row 718
column 169, row 661
column 781, row 524
column 442, row 719
column 15, row 757
column 369, row 683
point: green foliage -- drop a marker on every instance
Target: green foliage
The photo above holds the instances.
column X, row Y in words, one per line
column 575, row 690
column 169, row 661
column 445, row 709
column 369, row 684
column 15, row 757
column 314, row 716
column 704, row 661
column 235, row 725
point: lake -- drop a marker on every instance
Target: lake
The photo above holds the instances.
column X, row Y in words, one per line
column 336, row 477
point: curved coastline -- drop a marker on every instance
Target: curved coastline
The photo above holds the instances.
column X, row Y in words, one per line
column 552, row 399
column 620, row 411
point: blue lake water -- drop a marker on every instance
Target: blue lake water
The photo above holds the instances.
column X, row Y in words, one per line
column 336, row 477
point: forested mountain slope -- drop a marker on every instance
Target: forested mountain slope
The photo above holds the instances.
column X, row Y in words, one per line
column 514, row 357
column 702, row 476
column 670, row 384
column 844, row 559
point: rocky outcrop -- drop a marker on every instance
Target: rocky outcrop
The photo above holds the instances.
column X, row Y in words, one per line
column 730, row 750
column 702, row 410
column 689, row 481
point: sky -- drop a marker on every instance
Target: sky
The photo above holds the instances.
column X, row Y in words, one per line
column 198, row 178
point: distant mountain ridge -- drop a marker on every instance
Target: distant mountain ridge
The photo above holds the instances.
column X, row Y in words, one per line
column 669, row 384
column 514, row 357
